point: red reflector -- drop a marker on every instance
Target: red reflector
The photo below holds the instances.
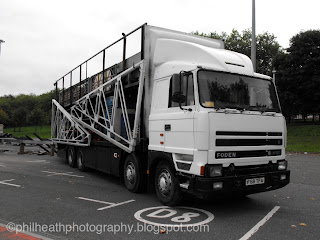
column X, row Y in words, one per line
column 161, row 142
column 161, row 134
column 202, row 170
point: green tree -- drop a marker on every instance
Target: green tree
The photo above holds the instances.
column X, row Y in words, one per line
column 6, row 104
column 4, row 118
column 18, row 118
column 267, row 46
column 45, row 104
column 22, row 105
column 36, row 117
column 298, row 74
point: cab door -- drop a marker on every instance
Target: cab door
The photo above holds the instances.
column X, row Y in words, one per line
column 179, row 122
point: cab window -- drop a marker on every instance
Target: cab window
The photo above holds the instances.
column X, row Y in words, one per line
column 186, row 90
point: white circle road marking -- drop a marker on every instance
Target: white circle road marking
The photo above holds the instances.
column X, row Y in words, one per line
column 137, row 215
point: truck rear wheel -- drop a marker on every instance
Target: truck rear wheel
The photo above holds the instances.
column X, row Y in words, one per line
column 71, row 157
column 134, row 178
column 80, row 160
column 167, row 185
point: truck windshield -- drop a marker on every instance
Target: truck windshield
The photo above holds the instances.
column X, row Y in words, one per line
column 226, row 90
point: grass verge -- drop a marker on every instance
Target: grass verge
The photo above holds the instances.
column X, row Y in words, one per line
column 303, row 138
column 44, row 131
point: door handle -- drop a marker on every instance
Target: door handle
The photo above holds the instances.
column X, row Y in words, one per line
column 167, row 127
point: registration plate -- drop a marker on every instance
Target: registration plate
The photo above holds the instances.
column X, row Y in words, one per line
column 254, row 181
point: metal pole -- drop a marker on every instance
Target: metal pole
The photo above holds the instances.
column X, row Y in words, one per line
column 80, row 82
column 103, row 65
column 63, row 92
column 253, row 42
column 274, row 76
column 142, row 41
column 86, row 70
column 124, row 52
column 71, row 88
column 57, row 96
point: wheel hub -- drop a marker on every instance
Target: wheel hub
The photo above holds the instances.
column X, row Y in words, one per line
column 70, row 158
column 80, row 160
column 165, row 182
column 130, row 173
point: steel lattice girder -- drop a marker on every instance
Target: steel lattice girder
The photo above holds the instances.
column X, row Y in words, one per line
column 65, row 130
column 70, row 128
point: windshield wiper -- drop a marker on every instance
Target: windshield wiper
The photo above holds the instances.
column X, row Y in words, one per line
column 231, row 109
column 254, row 108
column 271, row 110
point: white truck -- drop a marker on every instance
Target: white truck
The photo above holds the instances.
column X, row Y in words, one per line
column 181, row 116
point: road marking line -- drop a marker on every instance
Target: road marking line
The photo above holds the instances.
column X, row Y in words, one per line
column 36, row 161
column 92, row 200
column 259, row 224
column 7, row 180
column 115, row 205
column 111, row 205
column 65, row 174
column 4, row 182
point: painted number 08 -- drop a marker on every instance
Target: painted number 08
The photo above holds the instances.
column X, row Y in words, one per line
column 166, row 213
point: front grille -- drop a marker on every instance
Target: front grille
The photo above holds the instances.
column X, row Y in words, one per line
column 235, row 133
column 248, row 139
column 248, row 142
column 246, row 154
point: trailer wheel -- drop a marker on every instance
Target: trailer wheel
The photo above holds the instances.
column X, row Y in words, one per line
column 167, row 185
column 134, row 178
column 80, row 160
column 71, row 157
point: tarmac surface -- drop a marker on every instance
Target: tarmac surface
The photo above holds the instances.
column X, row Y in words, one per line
column 43, row 198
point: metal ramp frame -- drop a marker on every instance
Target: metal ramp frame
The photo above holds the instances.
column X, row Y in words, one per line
column 65, row 130
column 91, row 112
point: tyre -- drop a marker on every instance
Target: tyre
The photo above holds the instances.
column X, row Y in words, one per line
column 134, row 177
column 80, row 160
column 71, row 157
column 167, row 184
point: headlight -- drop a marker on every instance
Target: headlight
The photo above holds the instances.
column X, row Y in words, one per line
column 215, row 170
column 282, row 165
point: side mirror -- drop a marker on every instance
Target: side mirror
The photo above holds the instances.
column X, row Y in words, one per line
column 176, row 83
column 178, row 97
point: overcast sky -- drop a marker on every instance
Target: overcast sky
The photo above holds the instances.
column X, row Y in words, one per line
column 45, row 39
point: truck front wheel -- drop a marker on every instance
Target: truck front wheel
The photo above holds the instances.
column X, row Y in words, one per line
column 134, row 178
column 167, row 185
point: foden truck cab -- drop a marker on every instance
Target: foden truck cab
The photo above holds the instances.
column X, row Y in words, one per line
column 183, row 115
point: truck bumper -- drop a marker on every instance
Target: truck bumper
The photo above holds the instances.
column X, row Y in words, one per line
column 234, row 185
